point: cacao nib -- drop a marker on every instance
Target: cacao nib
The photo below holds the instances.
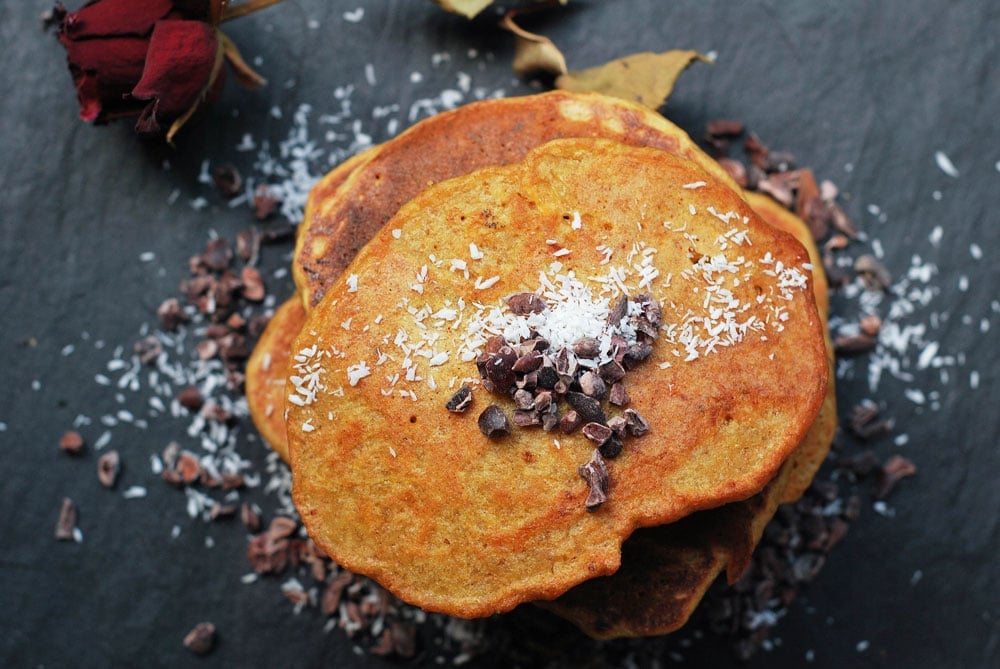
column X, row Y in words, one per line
column 493, row 422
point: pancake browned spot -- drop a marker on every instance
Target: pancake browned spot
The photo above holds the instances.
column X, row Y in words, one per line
column 392, row 485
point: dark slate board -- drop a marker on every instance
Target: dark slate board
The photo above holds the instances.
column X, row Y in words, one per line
column 865, row 93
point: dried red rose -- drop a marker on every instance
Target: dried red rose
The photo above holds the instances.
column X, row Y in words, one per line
column 160, row 60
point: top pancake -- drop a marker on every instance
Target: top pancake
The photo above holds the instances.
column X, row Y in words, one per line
column 390, row 484
column 357, row 199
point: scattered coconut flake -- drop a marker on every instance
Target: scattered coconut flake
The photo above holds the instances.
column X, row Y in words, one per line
column 944, row 164
column 134, row 492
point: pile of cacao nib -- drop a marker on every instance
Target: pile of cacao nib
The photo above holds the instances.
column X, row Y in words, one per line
column 540, row 376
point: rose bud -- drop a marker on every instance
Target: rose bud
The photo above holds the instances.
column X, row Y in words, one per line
column 159, row 60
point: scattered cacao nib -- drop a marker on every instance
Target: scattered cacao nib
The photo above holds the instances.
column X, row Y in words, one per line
column 863, row 420
column 618, row 395
column 588, row 408
column 635, row 424
column 612, row 371
column 871, row 325
column 873, row 273
column 188, row 468
column 493, row 422
column 71, row 442
column 595, row 473
column 228, row 180
column 218, row 254
column 282, row 527
column 618, row 311
column 597, row 433
column 201, row 639
column 523, row 304
column 190, row 398
column 250, row 517
column 617, row 424
column 724, row 127
column 334, row 590
column 264, row 202
column 570, row 422
column 587, row 348
column 268, row 554
column 148, row 349
column 461, row 400
column 108, row 468
column 220, row 511
column 529, row 362
column 526, row 418
column 854, row 344
column 612, row 448
column 253, row 284
column 499, row 368
column 895, row 468
column 756, row 150
column 736, row 170
column 861, row 464
column 248, row 245
column 171, row 314
column 277, row 232
column 592, row 385
column 66, row 524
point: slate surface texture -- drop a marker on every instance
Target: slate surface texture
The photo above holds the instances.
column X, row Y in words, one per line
column 96, row 229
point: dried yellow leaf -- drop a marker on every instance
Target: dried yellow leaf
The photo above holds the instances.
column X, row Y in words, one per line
column 647, row 78
column 533, row 52
column 467, row 8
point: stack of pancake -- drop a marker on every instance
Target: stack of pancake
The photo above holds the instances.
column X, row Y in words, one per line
column 405, row 265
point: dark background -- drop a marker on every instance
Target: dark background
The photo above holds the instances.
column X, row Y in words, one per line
column 863, row 92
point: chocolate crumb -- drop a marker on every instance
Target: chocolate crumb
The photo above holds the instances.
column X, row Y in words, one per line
column 71, row 442
column 201, row 639
column 108, row 467
column 493, row 422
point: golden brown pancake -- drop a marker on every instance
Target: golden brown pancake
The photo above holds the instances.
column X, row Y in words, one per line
column 816, row 446
column 266, row 371
column 454, row 143
column 391, row 485
column 666, row 570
